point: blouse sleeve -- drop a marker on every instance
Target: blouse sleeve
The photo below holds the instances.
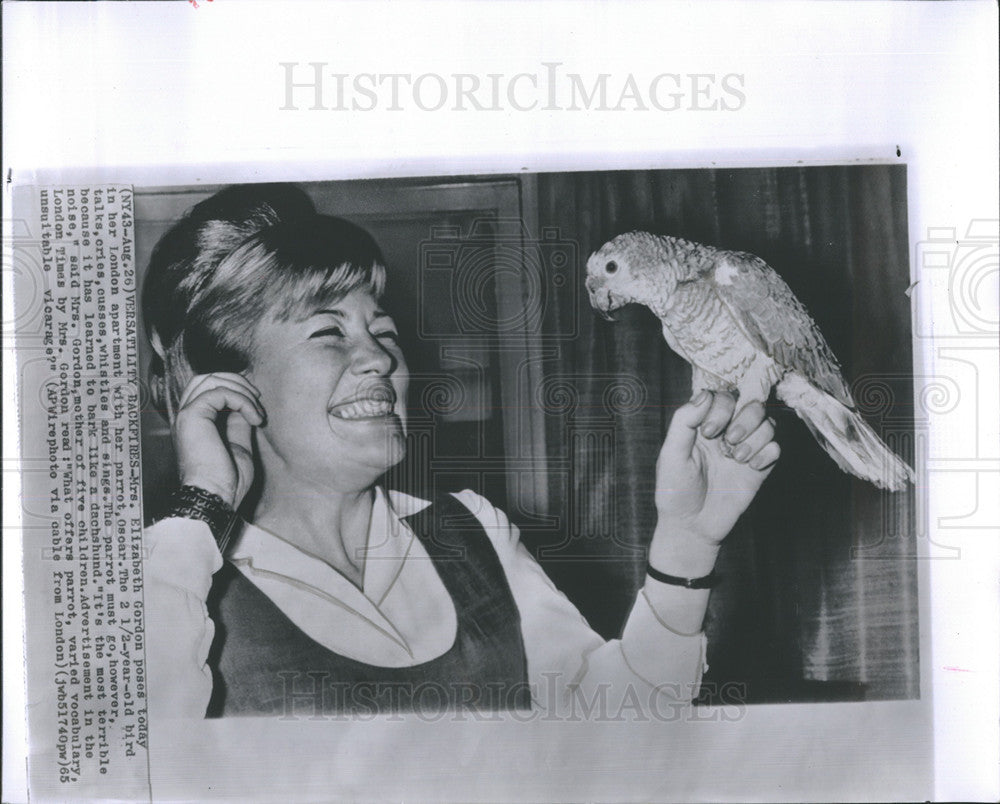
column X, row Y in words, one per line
column 181, row 557
column 571, row 668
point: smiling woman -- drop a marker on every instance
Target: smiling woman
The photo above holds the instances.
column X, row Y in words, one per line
column 285, row 385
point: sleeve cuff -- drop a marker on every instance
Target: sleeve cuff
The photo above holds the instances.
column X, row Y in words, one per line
column 183, row 553
column 663, row 658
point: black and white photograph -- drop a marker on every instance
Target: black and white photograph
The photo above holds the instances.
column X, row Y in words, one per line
column 413, row 402
column 584, row 362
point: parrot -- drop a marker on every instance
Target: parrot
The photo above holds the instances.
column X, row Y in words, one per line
column 735, row 320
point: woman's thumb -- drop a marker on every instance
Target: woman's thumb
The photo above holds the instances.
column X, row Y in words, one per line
column 683, row 429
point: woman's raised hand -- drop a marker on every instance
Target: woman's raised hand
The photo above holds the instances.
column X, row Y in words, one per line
column 213, row 434
column 712, row 463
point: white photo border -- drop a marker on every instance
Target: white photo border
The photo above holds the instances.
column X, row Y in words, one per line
column 173, row 94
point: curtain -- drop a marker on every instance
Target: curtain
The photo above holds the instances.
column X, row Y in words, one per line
column 818, row 599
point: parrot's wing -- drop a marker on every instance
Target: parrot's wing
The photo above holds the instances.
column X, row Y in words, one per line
column 767, row 311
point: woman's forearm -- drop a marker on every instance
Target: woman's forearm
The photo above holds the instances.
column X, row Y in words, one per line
column 181, row 557
column 684, row 555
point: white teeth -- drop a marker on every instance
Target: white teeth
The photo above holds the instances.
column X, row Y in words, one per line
column 363, row 409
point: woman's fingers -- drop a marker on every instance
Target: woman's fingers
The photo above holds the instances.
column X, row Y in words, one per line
column 684, row 425
column 209, row 403
column 213, row 434
column 754, row 442
column 749, row 433
column 766, row 457
column 239, row 432
column 203, row 382
column 212, row 393
column 719, row 414
column 751, row 416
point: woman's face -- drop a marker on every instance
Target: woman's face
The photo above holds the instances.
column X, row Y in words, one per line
column 333, row 386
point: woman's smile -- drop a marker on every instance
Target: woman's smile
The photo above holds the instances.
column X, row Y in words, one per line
column 376, row 401
column 363, row 409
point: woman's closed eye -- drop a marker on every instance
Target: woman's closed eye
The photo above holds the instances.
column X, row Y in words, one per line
column 327, row 332
column 336, row 332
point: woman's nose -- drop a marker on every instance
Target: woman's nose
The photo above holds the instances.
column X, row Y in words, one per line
column 371, row 356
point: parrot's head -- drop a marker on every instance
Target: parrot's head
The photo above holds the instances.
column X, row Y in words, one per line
column 631, row 268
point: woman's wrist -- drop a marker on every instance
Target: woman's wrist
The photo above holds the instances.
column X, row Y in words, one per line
column 675, row 551
column 687, row 556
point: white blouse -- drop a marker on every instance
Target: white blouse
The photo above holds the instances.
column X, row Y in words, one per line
column 402, row 615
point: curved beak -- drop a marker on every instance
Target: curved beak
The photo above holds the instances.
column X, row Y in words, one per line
column 602, row 303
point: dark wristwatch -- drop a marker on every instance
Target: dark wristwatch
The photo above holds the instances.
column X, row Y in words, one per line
column 705, row 582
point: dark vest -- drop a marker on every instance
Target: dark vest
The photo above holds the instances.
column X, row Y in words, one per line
column 263, row 664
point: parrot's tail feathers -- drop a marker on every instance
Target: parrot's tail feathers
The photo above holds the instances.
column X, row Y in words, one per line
column 847, row 437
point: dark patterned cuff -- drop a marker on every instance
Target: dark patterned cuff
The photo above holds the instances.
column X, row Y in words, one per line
column 194, row 502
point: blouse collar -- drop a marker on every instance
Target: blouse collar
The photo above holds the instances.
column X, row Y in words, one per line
column 389, row 542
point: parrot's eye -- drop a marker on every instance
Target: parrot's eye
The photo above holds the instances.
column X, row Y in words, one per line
column 611, row 267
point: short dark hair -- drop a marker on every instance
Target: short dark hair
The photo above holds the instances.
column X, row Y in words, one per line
column 246, row 252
